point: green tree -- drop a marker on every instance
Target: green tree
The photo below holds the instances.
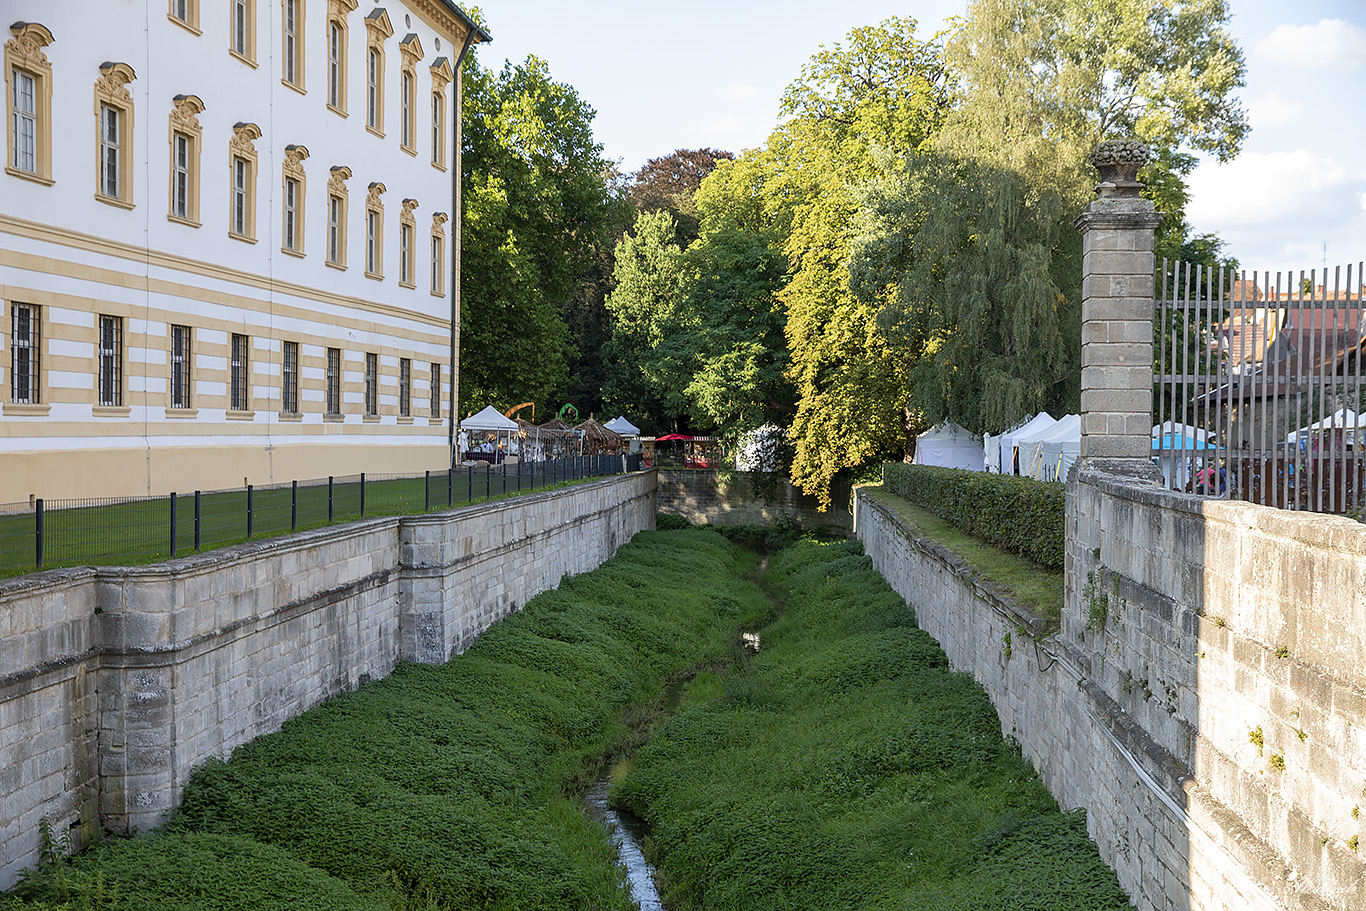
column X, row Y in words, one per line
column 970, row 250
column 540, row 205
column 670, row 183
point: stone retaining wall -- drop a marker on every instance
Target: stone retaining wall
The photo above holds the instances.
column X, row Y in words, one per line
column 116, row 682
column 1141, row 709
column 733, row 498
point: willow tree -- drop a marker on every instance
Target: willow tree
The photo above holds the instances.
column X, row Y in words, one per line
column 971, row 250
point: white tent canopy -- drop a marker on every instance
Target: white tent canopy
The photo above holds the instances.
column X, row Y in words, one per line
column 1010, row 439
column 622, row 426
column 1343, row 417
column 488, row 419
column 949, row 446
column 1048, row 455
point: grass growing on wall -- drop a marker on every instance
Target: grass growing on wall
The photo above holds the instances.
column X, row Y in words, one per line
column 844, row 766
column 451, row 787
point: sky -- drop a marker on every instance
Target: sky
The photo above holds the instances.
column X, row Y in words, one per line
column 710, row 74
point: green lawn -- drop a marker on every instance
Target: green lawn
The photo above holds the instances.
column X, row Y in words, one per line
column 126, row 532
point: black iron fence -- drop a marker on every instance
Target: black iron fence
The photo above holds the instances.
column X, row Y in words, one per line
column 45, row 534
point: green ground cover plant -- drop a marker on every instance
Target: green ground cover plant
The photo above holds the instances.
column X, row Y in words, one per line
column 443, row 787
column 1019, row 515
column 843, row 766
column 1039, row 588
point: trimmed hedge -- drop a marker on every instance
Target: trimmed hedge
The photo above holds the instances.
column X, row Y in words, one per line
column 1020, row 515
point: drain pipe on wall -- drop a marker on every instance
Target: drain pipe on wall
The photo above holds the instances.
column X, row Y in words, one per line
column 473, row 33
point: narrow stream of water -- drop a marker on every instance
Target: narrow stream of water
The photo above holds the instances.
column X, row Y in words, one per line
column 626, row 829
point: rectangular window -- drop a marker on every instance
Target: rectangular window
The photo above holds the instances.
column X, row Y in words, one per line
column 291, row 39
column 334, row 64
column 289, row 383
column 436, row 391
column 180, row 177
column 371, row 240
column 239, row 27
column 111, row 360
column 407, row 109
column 372, row 384
column 238, row 399
column 334, row 381
column 25, row 127
column 405, row 387
column 291, row 212
column 437, row 157
column 25, row 354
column 405, row 249
column 438, row 264
column 109, row 151
column 181, row 10
column 334, row 228
column 240, row 183
column 372, row 71
column 180, row 366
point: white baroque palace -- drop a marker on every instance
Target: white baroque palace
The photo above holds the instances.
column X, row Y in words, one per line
column 228, row 250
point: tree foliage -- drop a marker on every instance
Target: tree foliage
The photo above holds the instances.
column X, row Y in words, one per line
column 669, row 183
column 540, row 204
column 972, row 249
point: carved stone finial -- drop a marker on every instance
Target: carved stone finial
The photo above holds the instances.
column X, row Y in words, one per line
column 1118, row 162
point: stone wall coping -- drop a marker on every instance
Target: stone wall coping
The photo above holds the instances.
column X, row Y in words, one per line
column 38, row 583
column 499, row 504
column 1314, row 529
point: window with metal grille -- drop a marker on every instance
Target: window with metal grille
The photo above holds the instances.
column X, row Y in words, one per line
column 405, row 387
column 25, row 354
column 334, row 381
column 238, row 399
column 180, row 177
column 372, row 384
column 180, row 366
column 111, row 360
column 25, row 125
column 289, row 383
column 436, row 391
column 109, row 151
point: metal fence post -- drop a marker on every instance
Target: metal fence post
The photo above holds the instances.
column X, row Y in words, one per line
column 293, row 505
column 38, row 530
column 362, row 495
column 427, row 491
column 250, row 517
column 173, row 524
column 488, row 490
column 196, row 521
column 519, row 475
column 505, row 478
column 450, row 486
column 469, row 476
column 329, row 499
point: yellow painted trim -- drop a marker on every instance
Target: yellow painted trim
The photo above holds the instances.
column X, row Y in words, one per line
column 111, row 411
column 249, row 58
column 191, row 22
column 300, row 44
column 24, row 51
column 41, row 410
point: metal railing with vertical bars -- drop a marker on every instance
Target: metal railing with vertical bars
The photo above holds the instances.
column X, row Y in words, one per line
column 1258, row 385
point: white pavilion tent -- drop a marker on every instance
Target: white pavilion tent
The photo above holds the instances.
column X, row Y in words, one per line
column 1048, row 454
column 497, row 430
column 949, row 446
column 1010, row 439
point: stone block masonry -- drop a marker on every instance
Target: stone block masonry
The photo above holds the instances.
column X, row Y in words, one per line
column 116, row 682
column 1204, row 698
column 748, row 498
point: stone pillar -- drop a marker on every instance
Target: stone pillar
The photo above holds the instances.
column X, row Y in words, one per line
column 1117, row 315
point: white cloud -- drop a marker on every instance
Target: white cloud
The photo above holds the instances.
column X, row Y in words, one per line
column 737, row 92
column 1332, row 42
column 1273, row 111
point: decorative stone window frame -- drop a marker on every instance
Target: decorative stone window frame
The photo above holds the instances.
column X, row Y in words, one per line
column 190, row 21
column 184, row 121
column 247, row 53
column 378, row 29
column 292, row 168
column 438, row 251
column 407, row 245
column 111, row 91
column 336, row 190
column 242, row 146
column 374, row 232
column 296, row 79
column 337, row 13
column 24, row 52
column 441, row 77
column 410, row 48
column 36, row 368
column 182, row 371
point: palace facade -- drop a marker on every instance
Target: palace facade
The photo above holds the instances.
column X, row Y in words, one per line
column 229, row 242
